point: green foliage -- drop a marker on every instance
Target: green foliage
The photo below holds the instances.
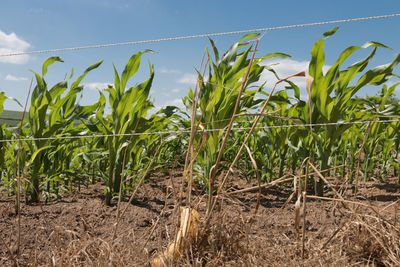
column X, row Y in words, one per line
column 218, row 94
column 129, row 107
column 52, row 113
column 332, row 94
column 52, row 166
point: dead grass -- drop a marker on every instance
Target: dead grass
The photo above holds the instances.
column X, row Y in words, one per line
column 228, row 241
column 370, row 241
column 349, row 232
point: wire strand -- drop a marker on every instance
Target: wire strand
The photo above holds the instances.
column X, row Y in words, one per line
column 182, row 131
column 200, row 35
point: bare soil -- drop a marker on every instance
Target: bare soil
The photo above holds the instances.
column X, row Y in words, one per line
column 77, row 230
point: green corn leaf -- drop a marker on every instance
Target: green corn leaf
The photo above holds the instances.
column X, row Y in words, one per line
column 83, row 112
column 272, row 55
column 330, row 32
column 229, row 56
column 2, row 99
column 39, row 88
column 50, row 131
column 375, row 44
column 131, row 68
column 112, row 95
column 72, row 73
column 36, row 153
column 249, row 36
column 92, row 67
column 49, row 62
column 117, row 84
column 389, row 93
column 315, row 69
column 216, row 54
column 69, row 104
column 295, row 88
column 348, row 75
column 241, row 64
column 378, row 75
column 332, row 75
column 58, row 89
column 106, row 128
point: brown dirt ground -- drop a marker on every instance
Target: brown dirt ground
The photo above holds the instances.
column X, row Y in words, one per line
column 77, row 229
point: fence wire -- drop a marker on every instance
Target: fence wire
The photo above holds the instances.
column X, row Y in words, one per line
column 200, row 35
column 182, row 131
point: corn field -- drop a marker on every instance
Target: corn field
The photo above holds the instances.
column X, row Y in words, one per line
column 232, row 123
column 226, row 97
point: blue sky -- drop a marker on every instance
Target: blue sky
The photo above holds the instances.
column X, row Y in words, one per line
column 28, row 25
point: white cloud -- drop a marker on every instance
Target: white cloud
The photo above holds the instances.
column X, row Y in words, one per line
column 174, row 102
column 188, row 78
column 169, row 71
column 286, row 67
column 11, row 43
column 10, row 77
column 96, row 85
column 392, row 82
column 175, row 90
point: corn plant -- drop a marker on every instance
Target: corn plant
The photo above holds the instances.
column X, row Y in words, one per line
column 332, row 93
column 5, row 133
column 270, row 145
column 172, row 152
column 129, row 107
column 382, row 136
column 51, row 113
column 2, row 135
column 218, row 94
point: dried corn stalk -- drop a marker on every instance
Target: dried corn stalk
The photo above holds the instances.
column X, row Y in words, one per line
column 186, row 235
